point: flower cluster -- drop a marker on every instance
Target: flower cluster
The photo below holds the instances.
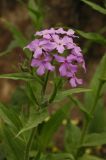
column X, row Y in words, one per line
column 57, row 45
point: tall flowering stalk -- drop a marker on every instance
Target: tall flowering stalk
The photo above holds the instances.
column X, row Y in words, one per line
column 55, row 50
column 57, row 45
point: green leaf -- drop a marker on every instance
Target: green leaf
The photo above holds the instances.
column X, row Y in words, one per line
column 51, row 126
column 19, row 98
column 35, row 13
column 95, row 6
column 31, row 94
column 94, row 84
column 63, row 94
column 100, row 117
column 80, row 106
column 10, row 117
column 72, row 138
column 21, row 76
column 13, row 44
column 89, row 157
column 60, row 156
column 103, row 78
column 15, row 146
column 18, row 36
column 34, row 120
column 95, row 139
column 95, row 37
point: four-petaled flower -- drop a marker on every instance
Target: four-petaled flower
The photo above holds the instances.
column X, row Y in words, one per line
column 42, row 64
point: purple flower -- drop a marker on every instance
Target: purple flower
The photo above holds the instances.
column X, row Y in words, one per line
column 66, row 69
column 48, row 47
column 38, row 46
column 46, row 33
column 76, row 52
column 60, row 31
column 74, row 81
column 62, row 43
column 31, row 46
column 70, row 32
column 42, row 64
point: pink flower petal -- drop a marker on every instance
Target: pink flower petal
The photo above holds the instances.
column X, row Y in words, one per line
column 41, row 70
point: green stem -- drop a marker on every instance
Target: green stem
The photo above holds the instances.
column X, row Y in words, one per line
column 45, row 83
column 29, row 144
column 87, row 121
column 31, row 138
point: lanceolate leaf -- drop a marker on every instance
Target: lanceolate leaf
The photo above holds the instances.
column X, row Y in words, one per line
column 95, row 6
column 95, row 37
column 80, row 106
column 89, row 157
column 100, row 117
column 95, row 82
column 21, row 76
column 95, row 139
column 34, row 120
column 13, row 44
column 103, row 78
column 63, row 94
column 18, row 36
column 10, row 117
column 60, row 156
column 72, row 138
column 51, row 126
column 15, row 146
column 16, row 33
column 35, row 13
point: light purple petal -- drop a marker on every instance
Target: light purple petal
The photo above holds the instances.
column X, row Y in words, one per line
column 76, row 51
column 35, row 62
column 60, row 31
column 67, row 39
column 59, row 58
column 79, row 81
column 49, row 46
column 74, row 68
column 49, row 67
column 62, row 70
column 32, row 46
column 43, row 42
column 47, row 36
column 70, row 45
column 39, row 33
column 47, row 58
column 52, row 31
column 71, row 57
column 41, row 70
column 60, row 48
column 37, row 52
column 70, row 32
column 56, row 38
column 73, row 82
